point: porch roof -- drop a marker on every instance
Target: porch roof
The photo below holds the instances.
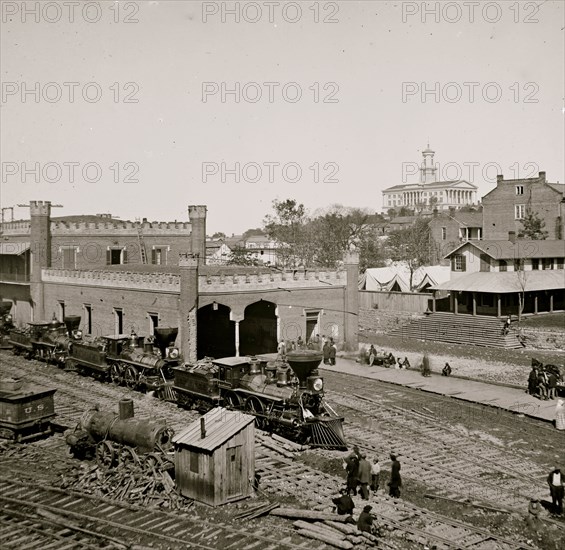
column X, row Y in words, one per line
column 506, row 282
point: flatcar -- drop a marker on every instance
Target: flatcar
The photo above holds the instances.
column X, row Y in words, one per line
column 286, row 396
column 26, row 411
column 132, row 360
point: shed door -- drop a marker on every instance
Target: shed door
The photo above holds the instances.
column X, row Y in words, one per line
column 234, row 472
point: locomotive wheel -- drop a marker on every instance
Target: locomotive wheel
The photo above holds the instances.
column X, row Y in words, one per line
column 153, row 460
column 232, row 400
column 115, row 374
column 105, row 454
column 131, row 377
column 255, row 406
column 129, row 456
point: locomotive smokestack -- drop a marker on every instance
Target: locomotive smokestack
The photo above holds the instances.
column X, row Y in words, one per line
column 303, row 363
column 202, row 428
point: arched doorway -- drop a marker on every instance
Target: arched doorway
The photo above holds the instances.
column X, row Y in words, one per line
column 215, row 333
column 258, row 330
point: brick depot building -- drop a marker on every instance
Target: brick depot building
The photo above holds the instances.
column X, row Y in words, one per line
column 120, row 276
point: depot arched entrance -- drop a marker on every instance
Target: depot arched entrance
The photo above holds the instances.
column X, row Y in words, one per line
column 216, row 333
column 258, row 330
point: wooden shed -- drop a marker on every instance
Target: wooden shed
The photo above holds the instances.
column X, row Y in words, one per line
column 215, row 457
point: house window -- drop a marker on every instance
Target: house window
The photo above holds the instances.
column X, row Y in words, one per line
column 69, row 257
column 153, row 322
column 443, row 233
column 503, row 265
column 458, row 263
column 535, row 263
column 519, row 190
column 88, row 318
column 519, row 264
column 559, row 263
column 118, row 320
column 194, row 462
column 547, row 263
column 519, row 211
column 159, row 255
column 116, row 256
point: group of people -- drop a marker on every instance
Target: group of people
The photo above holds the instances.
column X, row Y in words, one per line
column 365, row 476
column 543, row 381
column 327, row 346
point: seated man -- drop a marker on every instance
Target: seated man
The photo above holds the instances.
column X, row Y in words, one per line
column 365, row 521
column 446, row 371
column 344, row 503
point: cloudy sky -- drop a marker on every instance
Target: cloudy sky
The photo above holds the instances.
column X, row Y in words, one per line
column 141, row 108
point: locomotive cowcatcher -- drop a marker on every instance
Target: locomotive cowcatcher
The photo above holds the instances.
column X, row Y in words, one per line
column 286, row 397
column 132, row 360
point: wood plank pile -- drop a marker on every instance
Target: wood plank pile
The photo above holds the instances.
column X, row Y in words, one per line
column 131, row 483
column 329, row 528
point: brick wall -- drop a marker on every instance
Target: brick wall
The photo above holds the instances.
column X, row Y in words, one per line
column 498, row 206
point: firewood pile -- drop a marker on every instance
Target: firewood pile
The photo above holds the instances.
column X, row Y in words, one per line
column 129, row 482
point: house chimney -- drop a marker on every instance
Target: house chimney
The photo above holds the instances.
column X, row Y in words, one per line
column 499, row 178
column 512, row 236
column 202, row 428
column 542, row 177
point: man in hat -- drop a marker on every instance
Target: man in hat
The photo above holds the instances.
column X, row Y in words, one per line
column 395, row 482
column 534, row 510
column 364, row 476
column 556, row 489
column 352, row 469
column 344, row 503
column 365, row 521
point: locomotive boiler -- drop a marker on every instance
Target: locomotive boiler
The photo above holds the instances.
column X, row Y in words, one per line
column 113, row 437
column 286, row 397
column 132, row 360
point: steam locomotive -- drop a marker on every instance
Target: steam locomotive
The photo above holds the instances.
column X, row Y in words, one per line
column 47, row 341
column 286, row 397
column 139, row 363
column 114, row 438
column 6, row 324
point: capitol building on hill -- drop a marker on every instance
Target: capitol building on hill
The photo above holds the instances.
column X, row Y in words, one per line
column 429, row 192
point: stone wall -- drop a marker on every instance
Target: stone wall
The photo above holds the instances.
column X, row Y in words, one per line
column 382, row 322
column 536, row 338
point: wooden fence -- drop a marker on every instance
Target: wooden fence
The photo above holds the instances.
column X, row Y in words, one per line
column 416, row 302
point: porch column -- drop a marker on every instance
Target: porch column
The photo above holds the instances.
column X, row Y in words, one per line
column 236, row 338
column 551, row 303
column 455, row 303
column 434, row 301
column 536, row 304
column 474, row 303
column 498, row 305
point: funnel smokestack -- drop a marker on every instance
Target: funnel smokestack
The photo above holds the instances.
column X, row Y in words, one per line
column 303, row 363
column 164, row 336
column 72, row 322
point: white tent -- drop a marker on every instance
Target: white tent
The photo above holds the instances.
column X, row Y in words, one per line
column 397, row 278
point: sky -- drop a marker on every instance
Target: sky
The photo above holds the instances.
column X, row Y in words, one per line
column 141, row 108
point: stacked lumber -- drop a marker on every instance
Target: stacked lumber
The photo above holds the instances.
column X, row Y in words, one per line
column 328, row 528
column 129, row 482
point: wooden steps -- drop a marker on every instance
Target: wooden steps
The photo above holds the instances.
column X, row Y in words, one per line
column 478, row 330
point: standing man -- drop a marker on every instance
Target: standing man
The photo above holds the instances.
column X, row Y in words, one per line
column 326, row 352
column 333, row 352
column 556, row 488
column 375, row 474
column 551, row 384
column 352, row 469
column 281, row 348
column 364, row 476
column 395, row 482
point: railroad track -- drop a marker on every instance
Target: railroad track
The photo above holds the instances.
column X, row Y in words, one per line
column 409, row 523
column 442, row 457
column 117, row 524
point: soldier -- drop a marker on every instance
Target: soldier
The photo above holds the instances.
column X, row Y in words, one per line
column 395, row 482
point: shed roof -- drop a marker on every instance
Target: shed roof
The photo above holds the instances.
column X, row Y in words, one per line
column 506, row 282
column 220, row 425
column 13, row 249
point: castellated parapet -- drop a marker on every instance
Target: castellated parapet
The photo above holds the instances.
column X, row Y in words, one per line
column 167, row 282
column 40, row 208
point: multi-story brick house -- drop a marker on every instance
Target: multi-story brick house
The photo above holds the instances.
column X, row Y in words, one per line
column 507, row 204
column 449, row 230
